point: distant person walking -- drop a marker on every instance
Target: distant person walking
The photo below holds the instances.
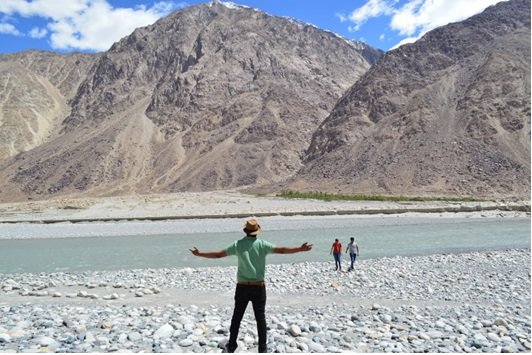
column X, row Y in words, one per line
column 352, row 249
column 251, row 253
column 336, row 251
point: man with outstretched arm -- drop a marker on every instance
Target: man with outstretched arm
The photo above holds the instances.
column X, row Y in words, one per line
column 251, row 253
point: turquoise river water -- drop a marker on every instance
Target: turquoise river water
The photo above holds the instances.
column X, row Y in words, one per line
column 140, row 244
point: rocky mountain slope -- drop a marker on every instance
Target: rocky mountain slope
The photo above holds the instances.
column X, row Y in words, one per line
column 449, row 114
column 211, row 97
column 35, row 88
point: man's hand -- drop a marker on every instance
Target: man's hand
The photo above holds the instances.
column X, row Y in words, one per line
column 306, row 247
column 195, row 251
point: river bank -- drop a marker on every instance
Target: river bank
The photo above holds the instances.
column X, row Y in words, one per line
column 468, row 302
column 227, row 204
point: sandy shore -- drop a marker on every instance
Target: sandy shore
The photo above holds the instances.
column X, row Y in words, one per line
column 226, row 205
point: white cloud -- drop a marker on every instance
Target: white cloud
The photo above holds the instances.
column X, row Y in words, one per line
column 43, row 8
column 87, row 24
column 420, row 16
column 37, row 32
column 9, row 29
column 372, row 8
column 413, row 18
column 342, row 17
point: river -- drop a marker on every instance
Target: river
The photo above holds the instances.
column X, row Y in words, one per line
column 29, row 247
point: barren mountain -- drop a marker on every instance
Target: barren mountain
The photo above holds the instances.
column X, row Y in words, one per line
column 214, row 96
column 35, row 88
column 447, row 115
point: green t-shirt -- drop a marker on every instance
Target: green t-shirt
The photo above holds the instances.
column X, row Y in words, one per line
column 251, row 253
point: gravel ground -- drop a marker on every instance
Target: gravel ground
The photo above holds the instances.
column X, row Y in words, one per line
column 473, row 302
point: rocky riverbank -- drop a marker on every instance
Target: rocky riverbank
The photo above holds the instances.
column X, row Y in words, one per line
column 473, row 302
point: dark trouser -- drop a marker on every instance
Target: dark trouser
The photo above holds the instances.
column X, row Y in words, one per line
column 338, row 260
column 353, row 258
column 257, row 296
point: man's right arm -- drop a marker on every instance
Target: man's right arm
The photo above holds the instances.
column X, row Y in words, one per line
column 209, row 255
column 292, row 250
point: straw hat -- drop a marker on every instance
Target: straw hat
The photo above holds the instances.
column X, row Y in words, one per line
column 252, row 227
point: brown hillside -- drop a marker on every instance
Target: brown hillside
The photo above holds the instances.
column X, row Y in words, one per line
column 36, row 87
column 211, row 97
column 447, row 115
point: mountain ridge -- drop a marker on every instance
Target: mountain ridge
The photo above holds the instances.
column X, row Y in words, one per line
column 217, row 97
column 449, row 114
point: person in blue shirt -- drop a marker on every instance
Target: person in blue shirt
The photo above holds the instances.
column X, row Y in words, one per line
column 251, row 253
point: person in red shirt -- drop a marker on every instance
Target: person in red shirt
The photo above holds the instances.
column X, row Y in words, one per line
column 336, row 250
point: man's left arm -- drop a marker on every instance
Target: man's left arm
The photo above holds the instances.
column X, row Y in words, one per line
column 292, row 250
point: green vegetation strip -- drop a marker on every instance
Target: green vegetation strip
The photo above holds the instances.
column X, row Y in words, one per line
column 360, row 197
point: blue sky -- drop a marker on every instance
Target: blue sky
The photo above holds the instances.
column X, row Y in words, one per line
column 94, row 25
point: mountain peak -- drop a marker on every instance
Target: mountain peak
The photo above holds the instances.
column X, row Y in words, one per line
column 213, row 96
column 230, row 5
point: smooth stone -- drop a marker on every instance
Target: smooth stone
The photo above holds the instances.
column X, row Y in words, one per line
column 164, row 332
column 435, row 334
column 362, row 347
column 316, row 348
column 46, row 341
column 303, row 347
column 502, row 322
column 314, row 327
column 493, row 337
column 440, row 324
column 106, row 325
column 462, row 330
column 185, row 342
column 280, row 348
column 294, row 330
column 198, row 332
